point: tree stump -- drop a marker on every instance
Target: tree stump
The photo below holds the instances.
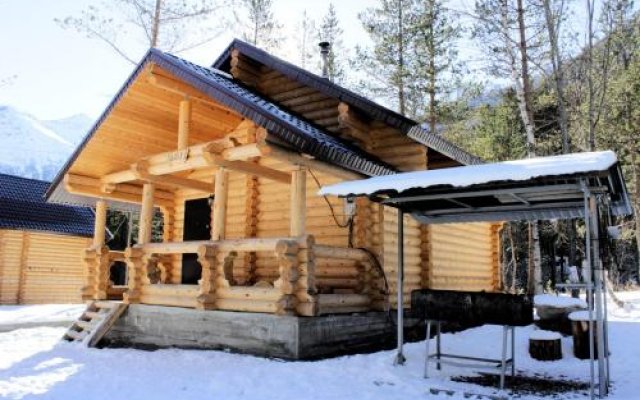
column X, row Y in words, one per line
column 580, row 331
column 545, row 345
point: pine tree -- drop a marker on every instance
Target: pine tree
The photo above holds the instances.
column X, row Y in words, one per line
column 434, row 34
column 330, row 31
column 261, row 28
column 387, row 64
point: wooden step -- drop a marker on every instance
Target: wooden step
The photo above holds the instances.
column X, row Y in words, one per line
column 75, row 335
column 95, row 322
column 83, row 324
column 91, row 314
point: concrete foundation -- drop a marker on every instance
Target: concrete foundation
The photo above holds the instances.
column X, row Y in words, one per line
column 287, row 337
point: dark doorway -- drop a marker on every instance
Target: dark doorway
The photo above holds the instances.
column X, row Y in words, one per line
column 118, row 273
column 197, row 226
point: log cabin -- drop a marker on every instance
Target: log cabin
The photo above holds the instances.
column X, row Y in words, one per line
column 233, row 155
column 40, row 244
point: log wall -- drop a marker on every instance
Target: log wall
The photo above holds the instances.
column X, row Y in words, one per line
column 463, row 257
column 40, row 267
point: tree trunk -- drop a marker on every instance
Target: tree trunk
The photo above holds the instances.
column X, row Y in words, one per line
column 155, row 29
column 401, row 95
column 558, row 71
column 526, row 83
column 432, row 69
column 591, row 145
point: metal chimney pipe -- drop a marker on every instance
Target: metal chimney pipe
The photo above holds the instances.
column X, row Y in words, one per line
column 325, row 48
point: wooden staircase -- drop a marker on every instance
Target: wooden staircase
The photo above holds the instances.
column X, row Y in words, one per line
column 95, row 322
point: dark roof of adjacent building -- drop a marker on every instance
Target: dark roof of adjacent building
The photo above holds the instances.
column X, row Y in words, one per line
column 23, row 207
column 370, row 108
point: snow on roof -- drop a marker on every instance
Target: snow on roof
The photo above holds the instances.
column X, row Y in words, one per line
column 518, row 170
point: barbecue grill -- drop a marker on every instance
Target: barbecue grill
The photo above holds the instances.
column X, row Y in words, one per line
column 473, row 308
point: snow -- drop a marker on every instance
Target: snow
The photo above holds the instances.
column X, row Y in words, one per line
column 549, row 300
column 518, row 170
column 581, row 316
column 544, row 335
column 35, row 364
column 10, row 315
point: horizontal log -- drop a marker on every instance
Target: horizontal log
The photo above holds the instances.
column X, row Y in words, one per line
column 339, row 283
column 190, row 291
column 247, row 305
column 346, row 300
column 321, row 251
column 249, row 293
column 173, row 301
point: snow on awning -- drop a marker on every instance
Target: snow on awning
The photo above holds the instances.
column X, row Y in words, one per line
column 534, row 188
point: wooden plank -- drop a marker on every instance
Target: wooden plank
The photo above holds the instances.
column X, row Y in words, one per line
column 105, row 325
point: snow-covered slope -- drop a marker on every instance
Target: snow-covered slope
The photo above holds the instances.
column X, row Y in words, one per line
column 37, row 149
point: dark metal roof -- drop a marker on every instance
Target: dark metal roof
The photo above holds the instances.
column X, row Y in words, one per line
column 23, row 207
column 366, row 106
column 324, row 85
column 300, row 135
column 442, row 145
column 548, row 196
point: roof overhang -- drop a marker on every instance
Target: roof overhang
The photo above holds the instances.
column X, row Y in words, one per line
column 531, row 189
column 284, row 128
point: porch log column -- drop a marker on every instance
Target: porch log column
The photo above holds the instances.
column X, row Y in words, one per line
column 101, row 278
column 184, row 123
column 220, row 204
column 146, row 214
column 137, row 260
column 99, row 227
column 298, row 202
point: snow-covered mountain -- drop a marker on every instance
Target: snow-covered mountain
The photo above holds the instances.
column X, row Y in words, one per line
column 37, row 149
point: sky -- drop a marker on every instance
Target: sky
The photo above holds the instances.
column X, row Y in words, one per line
column 54, row 73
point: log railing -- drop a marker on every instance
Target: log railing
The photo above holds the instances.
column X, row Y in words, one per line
column 214, row 290
column 98, row 262
column 345, row 278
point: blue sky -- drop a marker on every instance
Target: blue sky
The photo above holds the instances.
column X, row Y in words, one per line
column 57, row 73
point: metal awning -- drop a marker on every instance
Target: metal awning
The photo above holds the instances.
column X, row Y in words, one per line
column 557, row 187
column 531, row 189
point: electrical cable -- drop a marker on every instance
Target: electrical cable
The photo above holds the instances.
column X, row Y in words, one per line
column 372, row 257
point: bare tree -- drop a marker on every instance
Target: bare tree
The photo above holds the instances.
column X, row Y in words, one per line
column 305, row 34
column 503, row 30
column 129, row 27
column 260, row 26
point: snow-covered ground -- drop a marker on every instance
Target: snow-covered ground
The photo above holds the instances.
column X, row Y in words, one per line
column 35, row 364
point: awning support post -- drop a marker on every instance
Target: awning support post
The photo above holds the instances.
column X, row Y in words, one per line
column 599, row 300
column 400, row 358
column 593, row 277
